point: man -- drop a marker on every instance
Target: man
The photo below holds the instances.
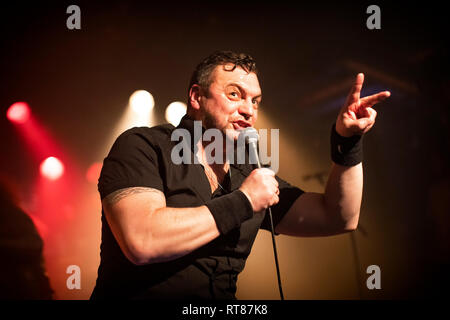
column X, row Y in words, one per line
column 184, row 231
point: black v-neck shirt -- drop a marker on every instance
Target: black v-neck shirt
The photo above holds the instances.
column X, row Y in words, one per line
column 141, row 157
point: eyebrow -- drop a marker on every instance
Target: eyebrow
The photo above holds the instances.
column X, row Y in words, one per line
column 243, row 89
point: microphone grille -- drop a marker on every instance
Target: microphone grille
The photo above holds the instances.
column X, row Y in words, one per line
column 250, row 135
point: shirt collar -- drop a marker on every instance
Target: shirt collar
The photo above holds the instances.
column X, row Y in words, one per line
column 188, row 123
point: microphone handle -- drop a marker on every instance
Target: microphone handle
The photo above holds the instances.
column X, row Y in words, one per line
column 253, row 152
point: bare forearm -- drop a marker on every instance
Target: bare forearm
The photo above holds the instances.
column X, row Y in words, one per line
column 343, row 193
column 175, row 232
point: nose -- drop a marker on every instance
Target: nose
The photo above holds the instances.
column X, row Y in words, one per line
column 246, row 109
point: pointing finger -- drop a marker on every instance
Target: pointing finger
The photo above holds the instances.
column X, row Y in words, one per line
column 369, row 101
column 355, row 91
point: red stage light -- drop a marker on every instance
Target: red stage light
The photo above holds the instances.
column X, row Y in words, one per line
column 18, row 112
column 52, row 168
column 93, row 173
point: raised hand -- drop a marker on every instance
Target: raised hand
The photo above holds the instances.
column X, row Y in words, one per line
column 357, row 115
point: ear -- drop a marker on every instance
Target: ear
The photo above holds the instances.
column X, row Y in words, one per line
column 195, row 94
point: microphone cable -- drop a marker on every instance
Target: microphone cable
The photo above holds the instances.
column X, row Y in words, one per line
column 269, row 209
column 251, row 137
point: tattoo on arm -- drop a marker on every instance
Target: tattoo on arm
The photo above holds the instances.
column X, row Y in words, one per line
column 118, row 195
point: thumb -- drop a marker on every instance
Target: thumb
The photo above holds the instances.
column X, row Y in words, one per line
column 363, row 123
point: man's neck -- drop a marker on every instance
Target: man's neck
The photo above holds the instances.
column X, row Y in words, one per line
column 218, row 165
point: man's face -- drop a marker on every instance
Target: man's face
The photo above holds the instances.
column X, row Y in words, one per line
column 231, row 103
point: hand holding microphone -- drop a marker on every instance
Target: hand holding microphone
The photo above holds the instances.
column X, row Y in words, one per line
column 260, row 187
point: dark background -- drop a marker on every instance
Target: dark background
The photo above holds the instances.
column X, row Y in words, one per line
column 77, row 83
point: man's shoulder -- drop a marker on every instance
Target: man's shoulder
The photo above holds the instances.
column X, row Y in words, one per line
column 144, row 139
column 155, row 134
column 161, row 129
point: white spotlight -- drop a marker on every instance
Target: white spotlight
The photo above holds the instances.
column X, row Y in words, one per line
column 175, row 111
column 141, row 102
column 52, row 168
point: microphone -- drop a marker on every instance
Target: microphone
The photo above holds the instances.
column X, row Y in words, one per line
column 251, row 137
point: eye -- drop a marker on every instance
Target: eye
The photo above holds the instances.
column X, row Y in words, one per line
column 256, row 102
column 233, row 93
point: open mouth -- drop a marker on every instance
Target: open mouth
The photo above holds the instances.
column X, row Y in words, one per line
column 239, row 125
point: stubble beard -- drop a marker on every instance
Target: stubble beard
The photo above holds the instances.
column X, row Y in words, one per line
column 211, row 122
column 228, row 137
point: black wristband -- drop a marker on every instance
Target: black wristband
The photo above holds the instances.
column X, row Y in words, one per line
column 346, row 151
column 230, row 210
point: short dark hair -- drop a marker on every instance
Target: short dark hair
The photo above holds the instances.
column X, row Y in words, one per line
column 203, row 71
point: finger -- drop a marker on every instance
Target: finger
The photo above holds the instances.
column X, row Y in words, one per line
column 355, row 91
column 275, row 182
column 372, row 114
column 274, row 200
column 350, row 114
column 275, row 189
column 267, row 171
column 368, row 127
column 364, row 124
column 374, row 99
column 366, row 112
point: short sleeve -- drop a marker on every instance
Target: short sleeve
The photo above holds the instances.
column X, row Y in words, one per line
column 132, row 162
column 288, row 195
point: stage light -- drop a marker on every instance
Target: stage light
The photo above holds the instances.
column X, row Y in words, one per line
column 138, row 113
column 93, row 173
column 141, row 102
column 174, row 112
column 18, row 112
column 52, row 168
